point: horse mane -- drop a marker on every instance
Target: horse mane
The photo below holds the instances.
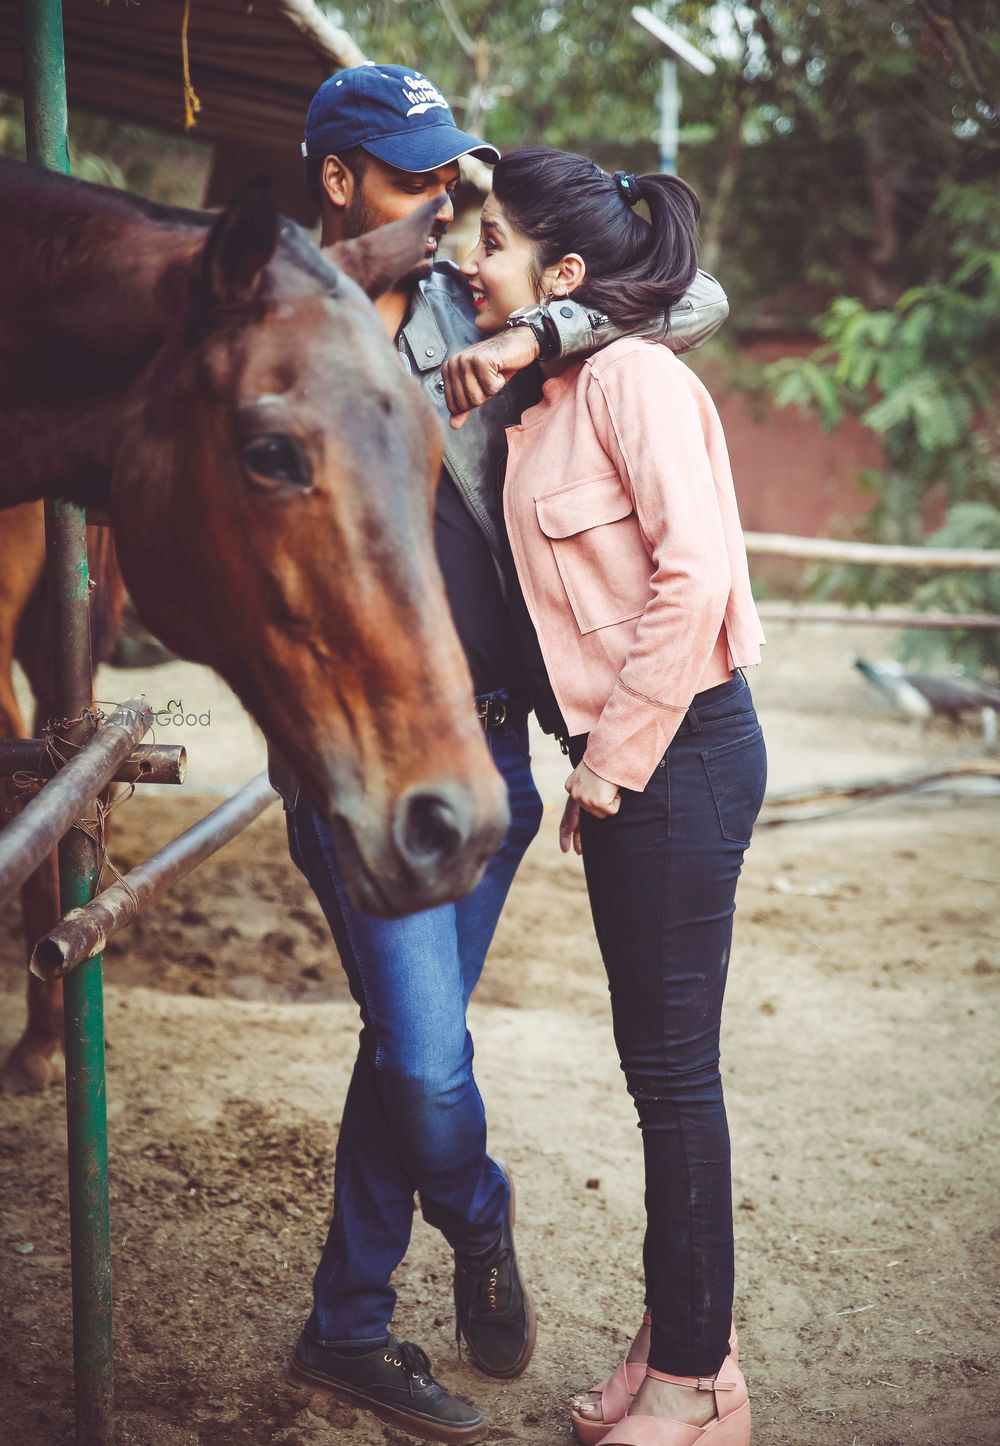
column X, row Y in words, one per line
column 294, row 244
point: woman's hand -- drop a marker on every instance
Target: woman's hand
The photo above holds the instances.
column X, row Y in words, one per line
column 474, row 375
column 593, row 794
column 569, row 828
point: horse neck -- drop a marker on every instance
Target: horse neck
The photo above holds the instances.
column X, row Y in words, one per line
column 82, row 311
column 93, row 262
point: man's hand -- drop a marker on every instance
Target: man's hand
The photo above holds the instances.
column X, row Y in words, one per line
column 569, row 828
column 472, row 376
column 593, row 794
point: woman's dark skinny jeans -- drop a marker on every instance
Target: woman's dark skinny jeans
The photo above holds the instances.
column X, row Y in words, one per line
column 662, row 879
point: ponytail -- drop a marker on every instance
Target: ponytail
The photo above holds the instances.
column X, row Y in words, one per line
column 636, row 269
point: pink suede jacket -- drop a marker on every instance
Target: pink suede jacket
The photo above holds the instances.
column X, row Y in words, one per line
column 623, row 523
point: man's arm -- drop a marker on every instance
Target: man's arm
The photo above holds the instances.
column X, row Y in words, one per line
column 693, row 320
column 472, row 376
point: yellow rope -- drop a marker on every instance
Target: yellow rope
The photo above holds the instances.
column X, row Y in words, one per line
column 192, row 105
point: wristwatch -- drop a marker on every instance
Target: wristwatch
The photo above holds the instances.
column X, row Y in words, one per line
column 539, row 323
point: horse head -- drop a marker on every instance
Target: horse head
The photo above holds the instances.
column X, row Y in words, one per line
column 272, row 501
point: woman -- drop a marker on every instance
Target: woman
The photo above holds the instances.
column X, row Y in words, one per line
column 624, row 529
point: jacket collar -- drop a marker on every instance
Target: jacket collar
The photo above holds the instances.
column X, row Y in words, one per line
column 422, row 334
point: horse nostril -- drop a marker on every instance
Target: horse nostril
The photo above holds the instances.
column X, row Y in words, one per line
column 430, row 829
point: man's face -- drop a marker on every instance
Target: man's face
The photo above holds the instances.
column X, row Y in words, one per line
column 382, row 193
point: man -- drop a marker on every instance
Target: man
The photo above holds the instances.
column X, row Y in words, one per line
column 380, row 142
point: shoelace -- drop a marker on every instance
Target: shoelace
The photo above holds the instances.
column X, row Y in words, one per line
column 414, row 1362
column 488, row 1277
column 484, row 1296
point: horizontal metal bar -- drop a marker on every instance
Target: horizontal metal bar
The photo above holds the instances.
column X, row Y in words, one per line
column 829, row 549
column 783, row 612
column 149, row 763
column 51, row 813
column 85, row 931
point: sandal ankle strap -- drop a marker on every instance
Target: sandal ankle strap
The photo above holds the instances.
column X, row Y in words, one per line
column 696, row 1383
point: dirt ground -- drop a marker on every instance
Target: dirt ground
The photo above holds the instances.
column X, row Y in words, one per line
column 860, row 1064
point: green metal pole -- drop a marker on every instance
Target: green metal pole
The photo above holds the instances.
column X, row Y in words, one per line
column 43, row 71
column 45, row 125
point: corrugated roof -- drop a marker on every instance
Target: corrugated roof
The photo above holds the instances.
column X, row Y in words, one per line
column 254, row 66
column 251, row 67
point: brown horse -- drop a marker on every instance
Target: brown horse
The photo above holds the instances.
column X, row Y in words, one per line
column 228, row 394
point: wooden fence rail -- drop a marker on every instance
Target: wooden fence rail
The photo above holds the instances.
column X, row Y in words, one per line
column 880, row 617
column 876, row 554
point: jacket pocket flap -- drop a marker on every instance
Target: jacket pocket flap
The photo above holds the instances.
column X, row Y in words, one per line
column 586, row 504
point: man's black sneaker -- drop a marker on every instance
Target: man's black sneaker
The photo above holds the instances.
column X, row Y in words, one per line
column 394, row 1383
column 493, row 1310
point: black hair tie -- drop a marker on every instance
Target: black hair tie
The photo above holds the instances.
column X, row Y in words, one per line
column 628, row 188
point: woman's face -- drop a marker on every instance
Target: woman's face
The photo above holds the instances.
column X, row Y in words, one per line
column 499, row 269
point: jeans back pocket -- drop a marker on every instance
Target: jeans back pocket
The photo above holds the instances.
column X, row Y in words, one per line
column 737, row 776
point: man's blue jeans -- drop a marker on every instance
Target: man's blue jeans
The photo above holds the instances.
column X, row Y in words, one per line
column 414, row 1119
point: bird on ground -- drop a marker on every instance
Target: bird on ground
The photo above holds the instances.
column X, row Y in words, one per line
column 921, row 695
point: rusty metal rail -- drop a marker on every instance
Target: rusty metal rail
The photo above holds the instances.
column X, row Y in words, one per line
column 84, row 932
column 32, row 835
column 149, row 763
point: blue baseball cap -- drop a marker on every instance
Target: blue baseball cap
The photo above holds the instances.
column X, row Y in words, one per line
column 395, row 113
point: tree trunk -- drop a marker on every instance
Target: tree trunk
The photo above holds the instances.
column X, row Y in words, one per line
column 884, row 242
column 729, row 171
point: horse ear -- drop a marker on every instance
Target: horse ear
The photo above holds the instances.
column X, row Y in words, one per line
column 239, row 246
column 386, row 255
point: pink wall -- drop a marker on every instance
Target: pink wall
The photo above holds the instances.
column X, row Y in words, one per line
column 791, row 476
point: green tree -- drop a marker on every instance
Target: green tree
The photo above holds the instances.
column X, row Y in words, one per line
column 570, row 73
column 820, row 146
column 924, row 375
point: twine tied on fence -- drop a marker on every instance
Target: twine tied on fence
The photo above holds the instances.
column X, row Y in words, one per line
column 52, row 731
column 94, row 828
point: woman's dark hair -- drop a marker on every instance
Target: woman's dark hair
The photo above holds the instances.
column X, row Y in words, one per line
column 561, row 202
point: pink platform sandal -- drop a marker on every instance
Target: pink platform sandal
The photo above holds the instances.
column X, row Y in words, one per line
column 618, row 1392
column 731, row 1426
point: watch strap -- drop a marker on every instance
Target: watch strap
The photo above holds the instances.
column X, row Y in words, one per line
column 539, row 322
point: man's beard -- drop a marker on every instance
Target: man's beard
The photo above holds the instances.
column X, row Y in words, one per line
column 360, row 220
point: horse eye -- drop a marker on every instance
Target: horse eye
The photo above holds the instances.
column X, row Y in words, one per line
column 277, row 458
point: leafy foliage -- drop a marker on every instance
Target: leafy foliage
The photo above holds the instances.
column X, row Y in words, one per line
column 820, row 145
column 925, row 376
column 968, row 524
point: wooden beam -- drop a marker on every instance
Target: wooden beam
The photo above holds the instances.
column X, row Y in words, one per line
column 789, row 612
column 327, row 39
column 828, row 549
